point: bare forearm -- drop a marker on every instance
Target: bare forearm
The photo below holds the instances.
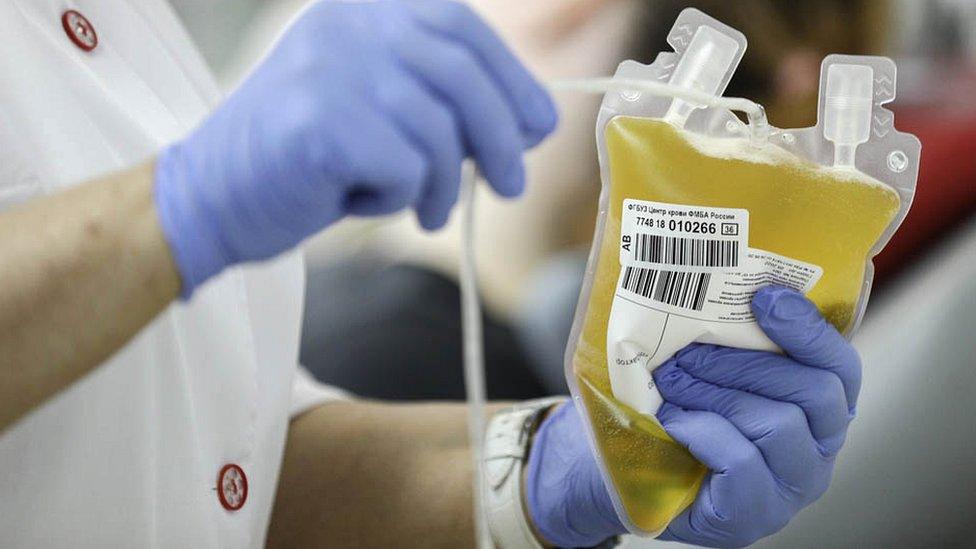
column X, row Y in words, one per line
column 360, row 474
column 82, row 271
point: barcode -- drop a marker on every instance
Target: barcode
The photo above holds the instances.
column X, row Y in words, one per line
column 691, row 252
column 685, row 290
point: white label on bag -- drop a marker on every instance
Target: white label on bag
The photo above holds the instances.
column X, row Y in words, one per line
column 696, row 262
column 687, row 274
column 682, row 238
column 723, row 296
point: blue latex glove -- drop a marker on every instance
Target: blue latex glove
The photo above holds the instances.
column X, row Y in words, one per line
column 565, row 494
column 767, row 425
column 360, row 109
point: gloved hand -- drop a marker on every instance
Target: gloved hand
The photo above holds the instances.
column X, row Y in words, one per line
column 767, row 425
column 564, row 492
column 361, row 109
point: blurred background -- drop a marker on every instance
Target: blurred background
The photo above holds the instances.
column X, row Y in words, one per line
column 382, row 303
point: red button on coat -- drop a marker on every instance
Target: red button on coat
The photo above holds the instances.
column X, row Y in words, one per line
column 79, row 30
column 232, row 487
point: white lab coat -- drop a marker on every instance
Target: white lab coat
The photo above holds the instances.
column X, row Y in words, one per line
column 129, row 456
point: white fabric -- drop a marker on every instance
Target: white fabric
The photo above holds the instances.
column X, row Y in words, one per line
column 506, row 450
column 307, row 393
column 129, row 456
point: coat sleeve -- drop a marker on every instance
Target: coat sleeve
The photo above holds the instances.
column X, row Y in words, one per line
column 307, row 393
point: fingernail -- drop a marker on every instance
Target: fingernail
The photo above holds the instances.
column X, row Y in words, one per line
column 666, row 373
column 432, row 222
column 782, row 303
column 690, row 353
column 695, row 358
column 762, row 302
column 514, row 177
column 543, row 115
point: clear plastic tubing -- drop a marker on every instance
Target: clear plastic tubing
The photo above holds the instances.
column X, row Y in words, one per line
column 755, row 113
column 474, row 356
column 474, row 360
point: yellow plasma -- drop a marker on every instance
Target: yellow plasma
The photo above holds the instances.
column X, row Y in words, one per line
column 796, row 208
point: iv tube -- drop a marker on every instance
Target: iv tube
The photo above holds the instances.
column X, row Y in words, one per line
column 472, row 343
column 755, row 113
